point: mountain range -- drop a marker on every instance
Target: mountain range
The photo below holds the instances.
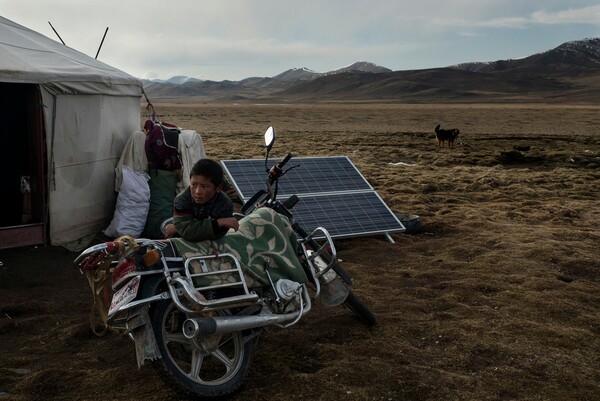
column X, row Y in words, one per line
column 567, row 73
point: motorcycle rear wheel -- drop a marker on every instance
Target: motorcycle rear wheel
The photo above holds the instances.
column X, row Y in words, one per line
column 362, row 311
column 190, row 369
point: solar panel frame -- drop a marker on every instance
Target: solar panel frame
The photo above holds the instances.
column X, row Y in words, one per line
column 333, row 194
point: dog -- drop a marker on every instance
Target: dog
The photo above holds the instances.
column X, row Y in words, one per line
column 443, row 135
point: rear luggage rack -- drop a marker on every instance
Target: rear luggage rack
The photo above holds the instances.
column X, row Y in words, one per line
column 194, row 284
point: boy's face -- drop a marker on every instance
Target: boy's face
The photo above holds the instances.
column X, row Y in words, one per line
column 202, row 189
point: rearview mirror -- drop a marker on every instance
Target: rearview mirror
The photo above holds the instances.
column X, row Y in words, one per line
column 269, row 138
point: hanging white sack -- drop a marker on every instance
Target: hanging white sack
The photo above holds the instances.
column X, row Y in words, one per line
column 132, row 207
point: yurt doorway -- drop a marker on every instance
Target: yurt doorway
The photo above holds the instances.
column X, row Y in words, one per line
column 22, row 161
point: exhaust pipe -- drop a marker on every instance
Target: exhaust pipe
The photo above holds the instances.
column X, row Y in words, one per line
column 205, row 326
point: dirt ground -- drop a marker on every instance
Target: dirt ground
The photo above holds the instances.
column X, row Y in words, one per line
column 497, row 298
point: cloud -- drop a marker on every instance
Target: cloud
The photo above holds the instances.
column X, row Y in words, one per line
column 467, row 18
column 506, row 22
column 585, row 15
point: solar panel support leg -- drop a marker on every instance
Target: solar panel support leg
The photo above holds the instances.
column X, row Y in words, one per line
column 389, row 237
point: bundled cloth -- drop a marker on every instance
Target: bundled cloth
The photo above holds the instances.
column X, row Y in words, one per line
column 163, row 189
column 133, row 203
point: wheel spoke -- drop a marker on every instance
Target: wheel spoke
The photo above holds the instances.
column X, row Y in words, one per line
column 224, row 359
column 197, row 360
column 178, row 338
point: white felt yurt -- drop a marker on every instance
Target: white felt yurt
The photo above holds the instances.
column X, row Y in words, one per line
column 65, row 120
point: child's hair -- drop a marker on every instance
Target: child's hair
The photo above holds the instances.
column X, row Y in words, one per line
column 210, row 169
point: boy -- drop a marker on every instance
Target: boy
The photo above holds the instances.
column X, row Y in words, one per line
column 202, row 211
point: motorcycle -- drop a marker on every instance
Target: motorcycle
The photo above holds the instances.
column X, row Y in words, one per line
column 197, row 327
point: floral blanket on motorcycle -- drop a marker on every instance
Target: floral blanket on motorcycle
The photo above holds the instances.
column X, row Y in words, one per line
column 263, row 236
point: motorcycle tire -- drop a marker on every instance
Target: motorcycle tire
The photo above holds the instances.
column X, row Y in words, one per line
column 187, row 367
column 362, row 311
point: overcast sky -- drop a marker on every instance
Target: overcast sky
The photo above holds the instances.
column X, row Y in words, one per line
column 236, row 39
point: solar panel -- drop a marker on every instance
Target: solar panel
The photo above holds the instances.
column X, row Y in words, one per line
column 313, row 175
column 333, row 194
column 346, row 215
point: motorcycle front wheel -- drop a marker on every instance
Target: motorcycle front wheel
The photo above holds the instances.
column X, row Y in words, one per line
column 205, row 367
column 361, row 311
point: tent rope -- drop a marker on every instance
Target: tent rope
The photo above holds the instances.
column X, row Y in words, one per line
column 150, row 106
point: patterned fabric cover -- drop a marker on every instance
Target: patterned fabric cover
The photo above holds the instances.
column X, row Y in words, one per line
column 263, row 235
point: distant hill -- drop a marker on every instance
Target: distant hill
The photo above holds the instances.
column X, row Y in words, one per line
column 581, row 54
column 177, row 80
column 180, row 89
column 293, row 74
column 568, row 73
column 297, row 74
column 360, row 67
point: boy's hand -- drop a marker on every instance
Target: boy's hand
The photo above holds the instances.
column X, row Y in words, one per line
column 170, row 230
column 228, row 222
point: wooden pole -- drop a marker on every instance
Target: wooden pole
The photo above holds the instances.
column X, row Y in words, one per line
column 98, row 52
column 56, row 33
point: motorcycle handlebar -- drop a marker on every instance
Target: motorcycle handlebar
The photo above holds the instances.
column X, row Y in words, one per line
column 279, row 165
column 285, row 160
column 276, row 170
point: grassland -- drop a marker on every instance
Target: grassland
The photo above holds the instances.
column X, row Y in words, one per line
column 496, row 299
